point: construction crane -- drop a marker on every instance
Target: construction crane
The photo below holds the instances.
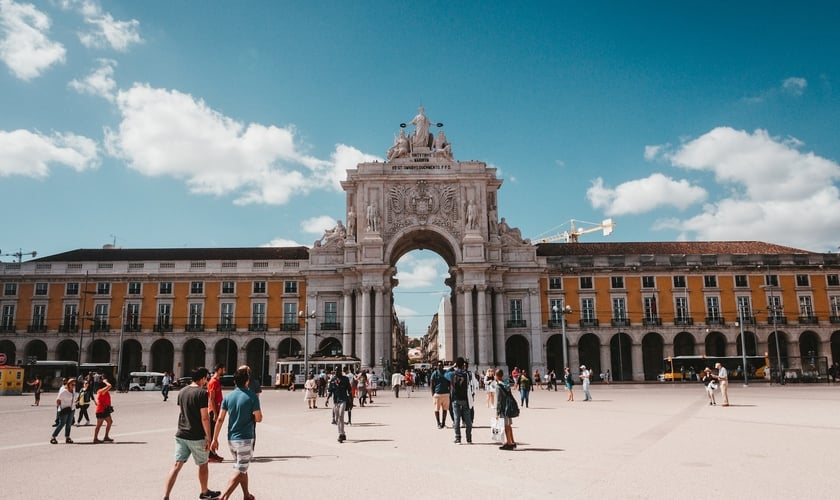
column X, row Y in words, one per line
column 573, row 234
column 19, row 254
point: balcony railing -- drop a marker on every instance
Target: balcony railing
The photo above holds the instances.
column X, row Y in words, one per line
column 777, row 320
column 68, row 328
column 194, row 327
column 163, row 327
column 556, row 323
column 290, row 327
column 516, row 323
column 808, row 320
column 652, row 321
column 749, row 320
column 715, row 320
column 225, row 327
column 683, row 321
column 36, row 329
column 589, row 322
column 257, row 327
column 97, row 327
column 132, row 327
column 620, row 322
column 834, row 319
column 8, row 328
column 330, row 325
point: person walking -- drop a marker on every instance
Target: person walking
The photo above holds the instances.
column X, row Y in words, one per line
column 243, row 406
column 460, row 387
column 193, row 435
column 83, row 403
column 567, row 379
column 103, row 411
column 710, row 385
column 503, row 396
column 38, row 385
column 165, row 384
column 397, row 380
column 64, row 409
column 340, row 392
column 525, row 385
column 585, row 376
column 214, row 402
column 440, row 387
column 723, row 380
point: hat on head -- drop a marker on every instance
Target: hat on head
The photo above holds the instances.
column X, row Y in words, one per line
column 583, row 367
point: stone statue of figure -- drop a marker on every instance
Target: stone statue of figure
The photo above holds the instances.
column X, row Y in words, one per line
column 351, row 224
column 442, row 148
column 493, row 220
column 472, row 215
column 373, row 217
column 503, row 227
column 421, row 129
column 339, row 232
column 400, row 148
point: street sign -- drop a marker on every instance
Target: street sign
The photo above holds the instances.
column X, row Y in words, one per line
column 2, row 358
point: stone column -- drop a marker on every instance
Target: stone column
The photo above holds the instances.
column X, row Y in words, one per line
column 500, row 329
column 638, row 360
column 379, row 326
column 535, row 329
column 346, row 326
column 482, row 360
column 469, row 331
column 365, row 334
column 605, row 358
column 272, row 367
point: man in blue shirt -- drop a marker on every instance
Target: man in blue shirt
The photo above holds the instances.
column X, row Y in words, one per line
column 244, row 409
column 439, row 385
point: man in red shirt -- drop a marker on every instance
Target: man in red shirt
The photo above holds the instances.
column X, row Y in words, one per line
column 214, row 403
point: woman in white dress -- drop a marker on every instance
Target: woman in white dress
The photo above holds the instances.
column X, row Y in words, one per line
column 490, row 387
column 310, row 391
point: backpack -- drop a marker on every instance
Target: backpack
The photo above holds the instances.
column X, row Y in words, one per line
column 510, row 408
column 460, row 386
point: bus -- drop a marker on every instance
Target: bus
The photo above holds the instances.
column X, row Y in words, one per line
column 690, row 368
column 145, row 381
column 290, row 370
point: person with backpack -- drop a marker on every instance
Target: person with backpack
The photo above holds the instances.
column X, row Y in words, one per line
column 440, row 387
column 460, row 387
column 506, row 409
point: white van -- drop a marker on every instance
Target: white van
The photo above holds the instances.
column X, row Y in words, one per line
column 145, row 381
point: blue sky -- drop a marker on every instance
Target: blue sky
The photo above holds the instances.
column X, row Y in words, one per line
column 185, row 124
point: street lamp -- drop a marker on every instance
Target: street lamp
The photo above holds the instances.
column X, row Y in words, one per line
column 120, row 351
column 743, row 343
column 562, row 312
column 778, row 351
column 306, row 318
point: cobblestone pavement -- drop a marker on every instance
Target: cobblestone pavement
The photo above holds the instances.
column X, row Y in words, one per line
column 633, row 441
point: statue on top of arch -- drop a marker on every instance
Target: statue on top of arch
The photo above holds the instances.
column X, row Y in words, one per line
column 333, row 237
column 404, row 144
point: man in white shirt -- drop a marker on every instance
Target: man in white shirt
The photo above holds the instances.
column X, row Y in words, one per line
column 396, row 382
column 723, row 378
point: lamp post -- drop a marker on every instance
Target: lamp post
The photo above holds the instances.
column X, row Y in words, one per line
column 120, row 351
column 743, row 343
column 306, row 317
column 778, row 351
column 562, row 312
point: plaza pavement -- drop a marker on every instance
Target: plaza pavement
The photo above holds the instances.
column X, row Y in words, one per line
column 633, row 441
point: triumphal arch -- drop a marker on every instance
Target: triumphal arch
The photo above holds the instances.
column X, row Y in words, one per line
column 421, row 197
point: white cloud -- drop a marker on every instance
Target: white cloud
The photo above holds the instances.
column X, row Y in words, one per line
column 99, row 82
column 644, row 195
column 413, row 272
column 105, row 30
column 317, row 225
column 282, row 242
column 24, row 45
column 652, row 152
column 30, row 153
column 794, row 85
column 169, row 133
column 343, row 158
column 775, row 192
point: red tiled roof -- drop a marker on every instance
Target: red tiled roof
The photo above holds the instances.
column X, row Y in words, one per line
column 666, row 248
column 173, row 254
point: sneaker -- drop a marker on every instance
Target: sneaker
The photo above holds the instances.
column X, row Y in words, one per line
column 68, row 441
column 53, row 441
column 342, row 438
column 96, row 441
column 506, row 447
column 457, row 441
column 107, row 439
column 210, row 494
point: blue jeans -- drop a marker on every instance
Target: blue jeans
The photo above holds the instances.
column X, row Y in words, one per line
column 461, row 409
column 64, row 420
column 586, row 395
column 338, row 416
column 523, row 397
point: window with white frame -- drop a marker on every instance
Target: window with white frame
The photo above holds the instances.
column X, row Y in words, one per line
column 555, row 308
column 681, row 308
column 617, row 282
column 774, row 303
column 196, row 315
column 771, row 280
column 290, row 313
column 587, row 309
column 134, row 288
column 619, row 308
column 132, row 315
column 226, row 311
column 515, row 310
column 586, row 282
column 228, row 287
column 555, row 283
column 10, row 289
column 835, row 305
column 196, row 287
column 832, row 279
column 103, row 288
column 100, row 317
column 71, row 288
column 42, row 288
column 741, row 281
column 679, row 281
column 164, row 318
column 7, row 320
column 803, row 280
column 713, row 307
column 648, row 281
column 331, row 313
column 806, row 307
column 258, row 313
column 651, row 312
column 165, row 288
column 71, row 315
column 710, row 281
column 290, row 287
column 259, row 287
column 744, row 307
column 39, row 315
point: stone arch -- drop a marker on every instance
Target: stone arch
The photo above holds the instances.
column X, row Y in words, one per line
column 835, row 346
column 517, row 349
column 782, row 350
column 225, row 352
column 35, row 348
column 99, row 351
column 589, row 352
column 554, row 353
column 163, row 356
column 9, row 348
column 195, row 356
column 750, row 341
column 330, row 346
column 256, row 356
column 809, row 346
column 653, row 354
column 132, row 357
column 288, row 348
column 67, row 350
column 425, row 238
column 715, row 344
column 684, row 344
column 620, row 356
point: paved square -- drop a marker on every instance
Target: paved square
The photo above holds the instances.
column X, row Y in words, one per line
column 632, row 441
